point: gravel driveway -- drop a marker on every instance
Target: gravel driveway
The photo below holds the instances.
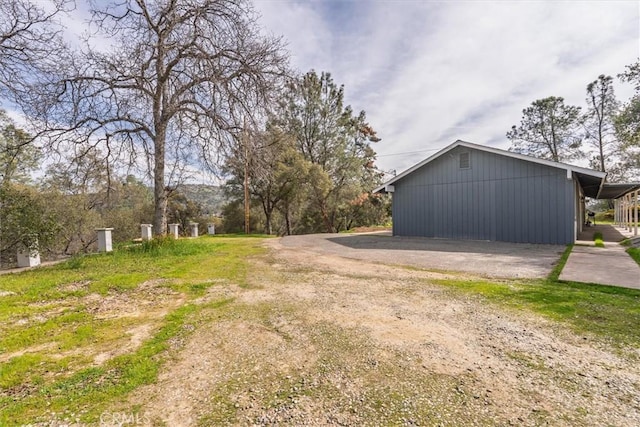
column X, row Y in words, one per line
column 490, row 259
column 317, row 339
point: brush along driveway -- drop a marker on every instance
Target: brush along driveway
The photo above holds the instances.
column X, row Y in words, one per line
column 318, row 339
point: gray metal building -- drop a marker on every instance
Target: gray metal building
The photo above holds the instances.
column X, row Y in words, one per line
column 472, row 192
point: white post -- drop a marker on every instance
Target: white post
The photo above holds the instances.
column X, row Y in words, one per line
column 211, row 229
column 623, row 209
column 29, row 257
column 104, row 239
column 194, row 229
column 173, row 230
column 628, row 211
column 145, row 231
column 635, row 212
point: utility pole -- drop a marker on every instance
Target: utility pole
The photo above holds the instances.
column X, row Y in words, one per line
column 247, row 206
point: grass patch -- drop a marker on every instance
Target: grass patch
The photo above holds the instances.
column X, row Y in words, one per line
column 557, row 269
column 635, row 254
column 608, row 312
column 597, row 238
column 55, row 320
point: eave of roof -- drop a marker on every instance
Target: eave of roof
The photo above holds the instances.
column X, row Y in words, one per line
column 459, row 143
column 617, row 190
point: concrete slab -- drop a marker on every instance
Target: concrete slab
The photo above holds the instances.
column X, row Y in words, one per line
column 610, row 265
column 489, row 259
column 610, row 233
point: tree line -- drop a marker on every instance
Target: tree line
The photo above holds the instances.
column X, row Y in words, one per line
column 155, row 91
column 606, row 132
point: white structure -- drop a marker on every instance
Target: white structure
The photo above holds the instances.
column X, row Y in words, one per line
column 173, row 230
column 145, row 230
column 627, row 204
column 104, row 239
column 29, row 257
column 211, row 228
column 194, row 229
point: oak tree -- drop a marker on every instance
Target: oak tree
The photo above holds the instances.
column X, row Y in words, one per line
column 165, row 91
column 30, row 42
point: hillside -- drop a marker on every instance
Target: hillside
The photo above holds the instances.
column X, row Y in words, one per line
column 210, row 197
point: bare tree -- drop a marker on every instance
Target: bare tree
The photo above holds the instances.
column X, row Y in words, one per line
column 169, row 89
column 29, row 37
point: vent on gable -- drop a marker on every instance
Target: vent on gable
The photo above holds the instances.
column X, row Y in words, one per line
column 465, row 160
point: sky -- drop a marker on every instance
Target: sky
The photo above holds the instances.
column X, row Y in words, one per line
column 428, row 73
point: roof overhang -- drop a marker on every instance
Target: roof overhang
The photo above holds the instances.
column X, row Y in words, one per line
column 615, row 191
column 591, row 185
column 590, row 180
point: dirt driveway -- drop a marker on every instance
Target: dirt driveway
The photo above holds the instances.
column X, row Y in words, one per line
column 317, row 339
column 489, row 259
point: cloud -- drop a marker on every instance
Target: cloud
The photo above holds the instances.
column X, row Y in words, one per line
column 428, row 73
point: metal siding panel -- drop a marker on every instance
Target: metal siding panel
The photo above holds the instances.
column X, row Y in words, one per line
column 465, row 204
column 439, row 209
column 478, row 208
column 448, row 198
column 417, row 220
column 513, row 219
column 538, row 206
column 498, row 198
column 557, row 210
column 528, row 232
column 445, row 202
column 571, row 212
column 516, row 198
column 494, row 210
column 427, row 209
column 500, row 206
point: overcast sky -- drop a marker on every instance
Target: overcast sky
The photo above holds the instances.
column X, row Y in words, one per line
column 430, row 72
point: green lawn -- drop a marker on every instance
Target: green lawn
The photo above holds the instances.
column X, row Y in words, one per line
column 635, row 254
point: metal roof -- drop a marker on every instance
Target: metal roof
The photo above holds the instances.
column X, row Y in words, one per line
column 614, row 191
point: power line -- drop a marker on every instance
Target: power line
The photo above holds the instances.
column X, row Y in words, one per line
column 407, row 152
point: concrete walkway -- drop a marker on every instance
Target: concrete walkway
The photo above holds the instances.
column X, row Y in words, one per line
column 610, row 265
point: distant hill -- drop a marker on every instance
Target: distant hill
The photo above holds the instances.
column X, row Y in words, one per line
column 210, row 197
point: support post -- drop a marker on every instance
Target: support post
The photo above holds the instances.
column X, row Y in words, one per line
column 145, row 231
column 628, row 210
column 635, row 212
column 194, row 229
column 29, row 257
column 104, row 239
column 173, row 230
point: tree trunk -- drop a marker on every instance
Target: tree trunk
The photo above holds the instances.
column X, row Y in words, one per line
column 325, row 218
column 600, row 143
column 267, row 208
column 287, row 221
column 159, row 190
column 268, row 220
